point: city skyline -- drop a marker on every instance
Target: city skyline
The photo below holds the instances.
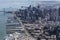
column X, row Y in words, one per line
column 18, row 3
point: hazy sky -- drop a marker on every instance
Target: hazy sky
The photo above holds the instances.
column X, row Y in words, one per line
column 18, row 3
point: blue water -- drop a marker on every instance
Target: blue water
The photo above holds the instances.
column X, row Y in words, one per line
column 3, row 20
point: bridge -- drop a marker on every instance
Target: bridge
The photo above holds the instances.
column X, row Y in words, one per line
column 7, row 11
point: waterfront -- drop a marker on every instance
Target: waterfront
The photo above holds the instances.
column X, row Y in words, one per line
column 3, row 19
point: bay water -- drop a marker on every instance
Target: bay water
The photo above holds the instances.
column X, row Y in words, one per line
column 3, row 20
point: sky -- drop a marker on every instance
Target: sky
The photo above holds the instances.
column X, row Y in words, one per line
column 18, row 3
